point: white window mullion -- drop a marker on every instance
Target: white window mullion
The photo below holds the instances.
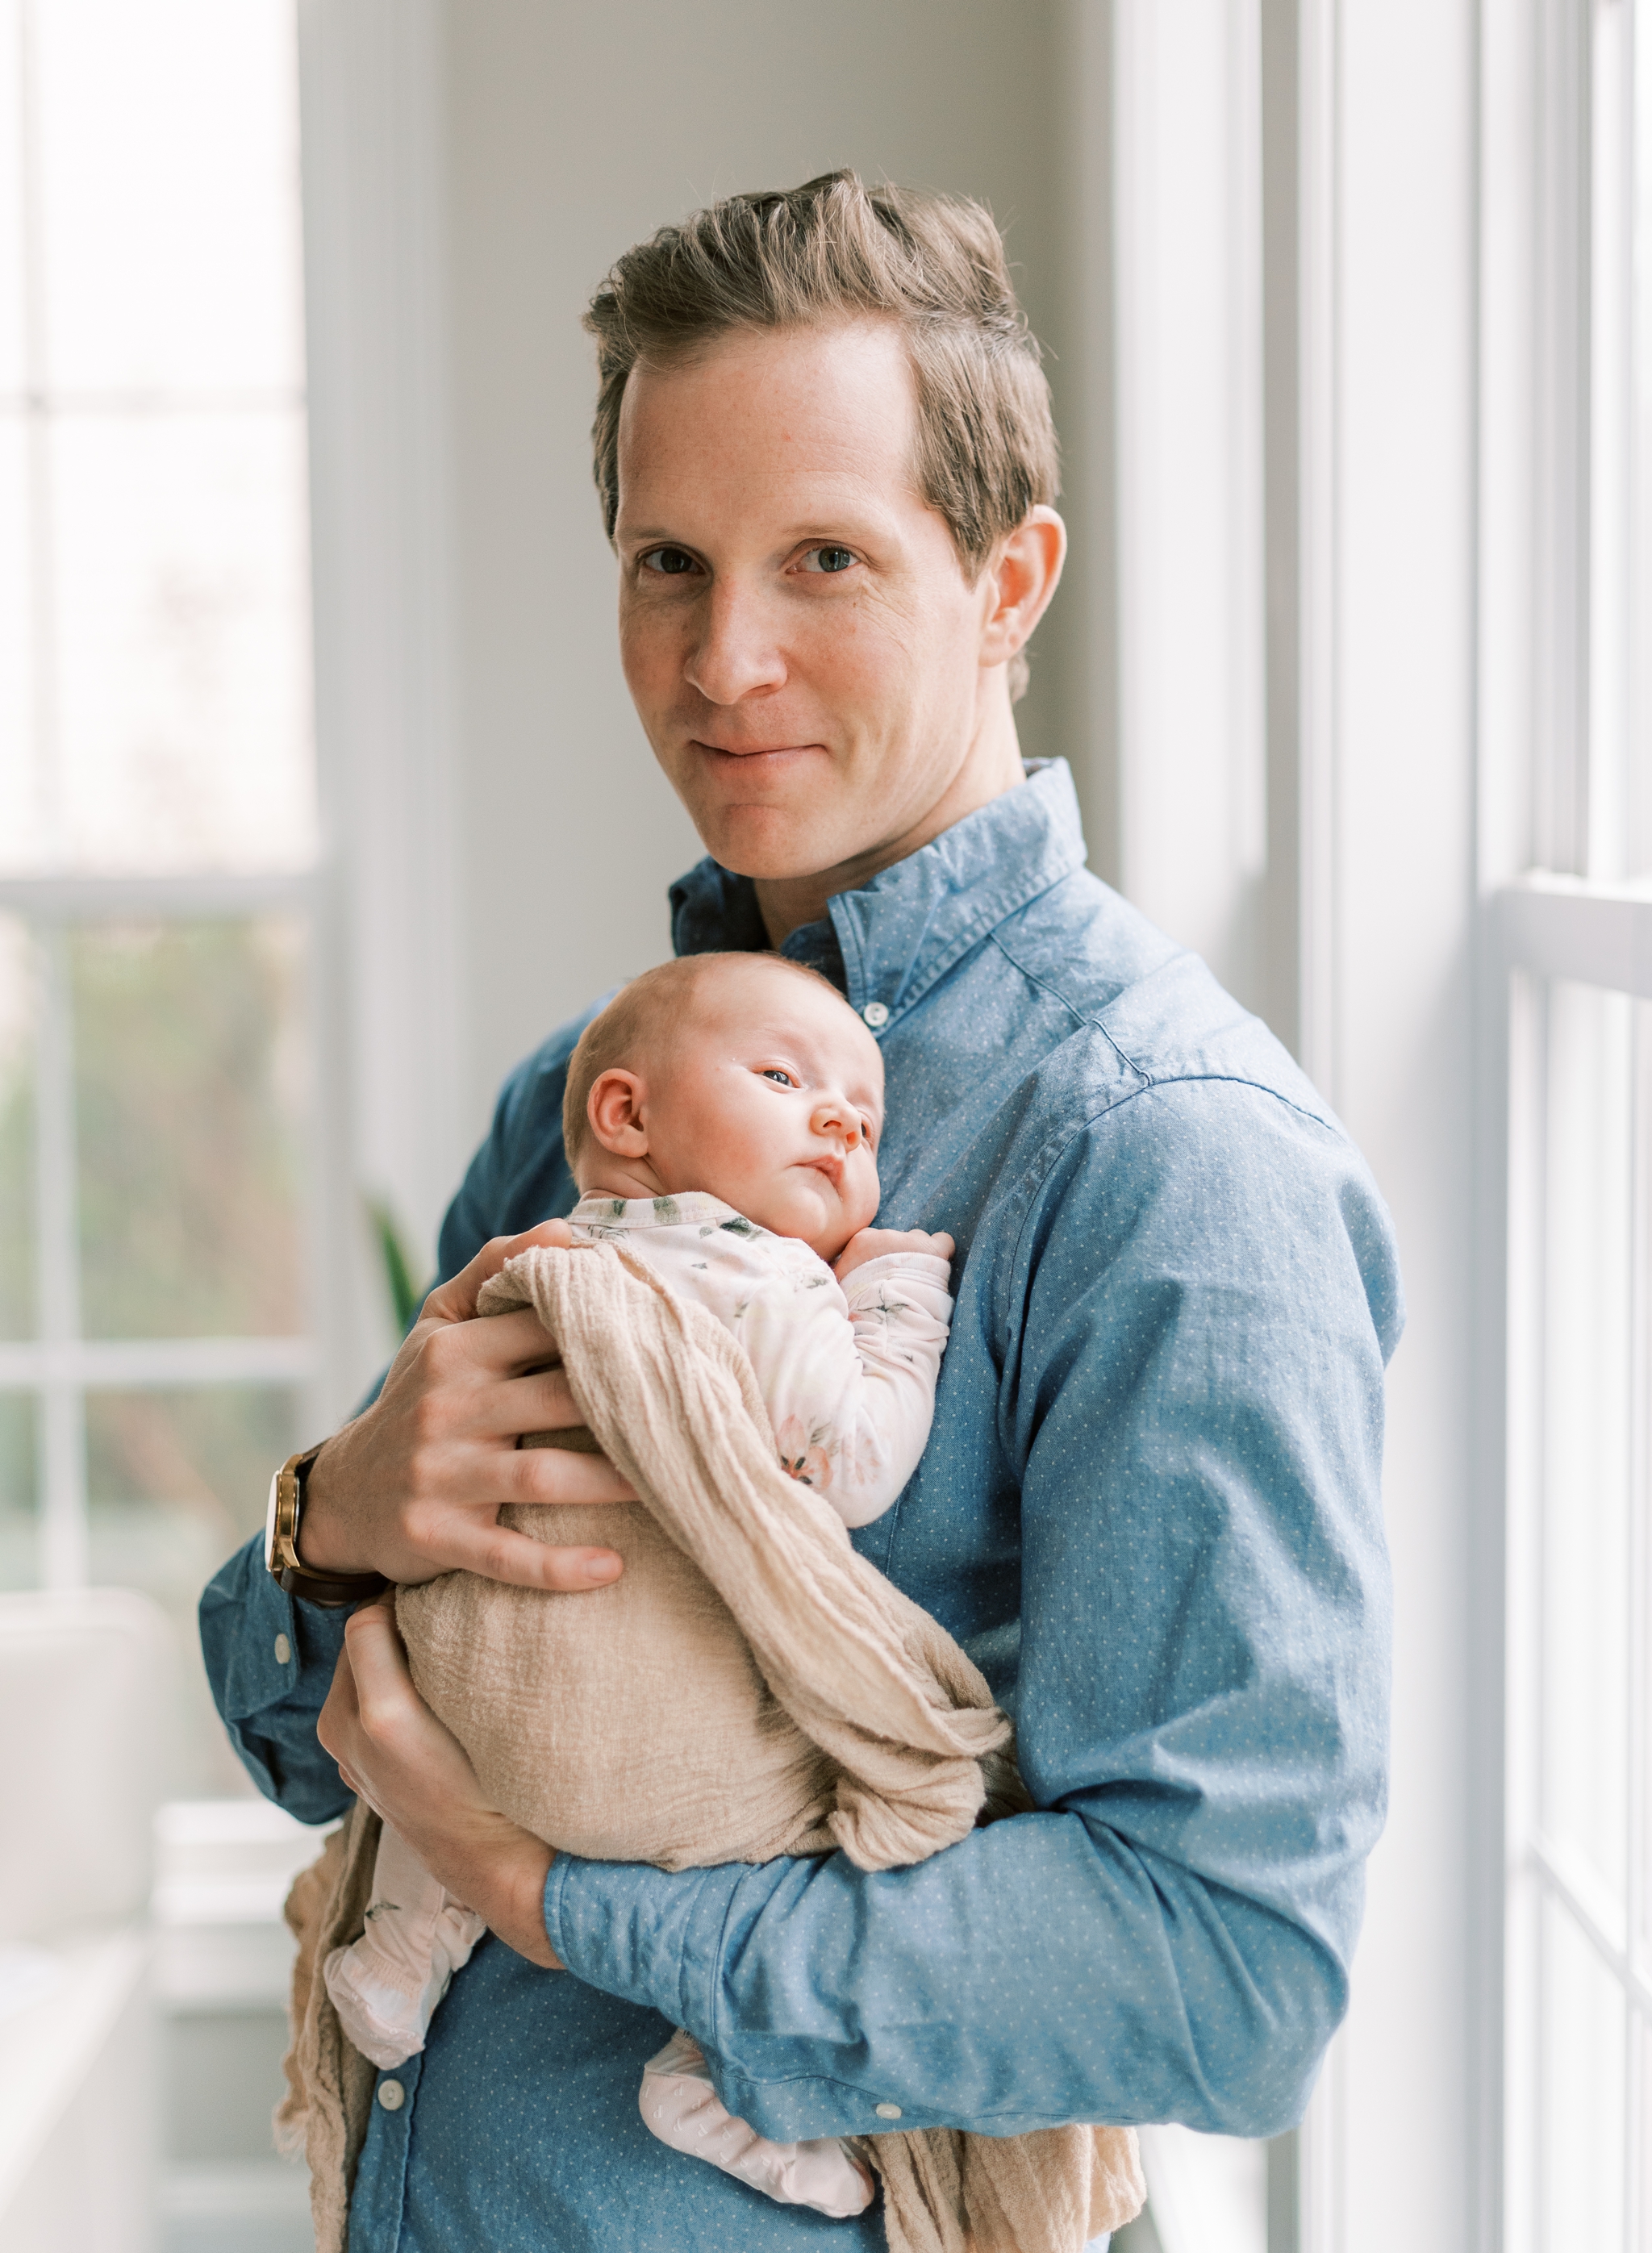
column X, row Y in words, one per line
column 1608, row 841
column 139, row 1365
column 64, row 1539
column 1525, row 1447
column 1637, row 2208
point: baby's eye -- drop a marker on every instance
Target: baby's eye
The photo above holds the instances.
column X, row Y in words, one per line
column 781, row 1078
column 668, row 562
column 829, row 559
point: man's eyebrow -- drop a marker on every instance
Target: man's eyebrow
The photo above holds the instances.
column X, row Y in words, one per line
column 847, row 524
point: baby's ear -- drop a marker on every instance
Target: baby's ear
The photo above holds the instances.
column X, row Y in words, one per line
column 614, row 1109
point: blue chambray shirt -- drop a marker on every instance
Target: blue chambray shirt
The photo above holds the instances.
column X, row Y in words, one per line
column 1149, row 1510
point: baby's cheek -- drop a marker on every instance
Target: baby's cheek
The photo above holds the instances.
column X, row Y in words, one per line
column 868, row 1192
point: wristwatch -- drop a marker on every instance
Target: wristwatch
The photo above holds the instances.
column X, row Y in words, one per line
column 281, row 1544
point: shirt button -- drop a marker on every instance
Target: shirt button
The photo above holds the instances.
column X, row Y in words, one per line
column 888, row 2111
column 876, row 1014
column 392, row 2095
column 284, row 1651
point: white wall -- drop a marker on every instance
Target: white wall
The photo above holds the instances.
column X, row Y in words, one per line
column 1398, row 962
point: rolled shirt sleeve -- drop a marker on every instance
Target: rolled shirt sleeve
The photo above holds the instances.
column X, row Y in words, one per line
column 269, row 1659
column 1191, row 1319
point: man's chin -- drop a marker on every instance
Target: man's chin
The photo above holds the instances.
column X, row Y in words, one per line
column 796, row 834
column 769, row 844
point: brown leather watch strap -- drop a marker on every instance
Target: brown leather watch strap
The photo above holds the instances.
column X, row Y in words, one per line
column 333, row 1590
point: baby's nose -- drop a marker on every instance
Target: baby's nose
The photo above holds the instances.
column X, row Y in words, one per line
column 845, row 1119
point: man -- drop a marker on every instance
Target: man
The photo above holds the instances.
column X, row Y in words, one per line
column 1150, row 1508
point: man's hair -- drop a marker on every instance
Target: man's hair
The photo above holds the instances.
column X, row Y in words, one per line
column 651, row 1005
column 835, row 250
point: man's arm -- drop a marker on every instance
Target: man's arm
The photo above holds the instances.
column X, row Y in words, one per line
column 270, row 1659
column 441, row 1424
column 1192, row 1341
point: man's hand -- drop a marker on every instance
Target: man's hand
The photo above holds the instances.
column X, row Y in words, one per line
column 878, row 1242
column 394, row 1752
column 415, row 1485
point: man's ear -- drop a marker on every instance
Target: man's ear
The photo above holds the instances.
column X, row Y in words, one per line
column 614, row 1107
column 1021, row 574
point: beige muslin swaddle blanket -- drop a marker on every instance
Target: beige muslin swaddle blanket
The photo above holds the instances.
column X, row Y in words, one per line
column 750, row 1687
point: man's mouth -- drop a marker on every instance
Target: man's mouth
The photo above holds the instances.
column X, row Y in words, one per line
column 751, row 758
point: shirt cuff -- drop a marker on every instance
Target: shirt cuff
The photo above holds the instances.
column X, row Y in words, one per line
column 650, row 1936
column 263, row 1639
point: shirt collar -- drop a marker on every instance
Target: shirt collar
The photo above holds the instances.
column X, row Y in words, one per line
column 596, row 1210
column 887, row 942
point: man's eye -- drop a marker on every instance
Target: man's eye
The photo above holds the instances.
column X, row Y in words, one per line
column 669, row 562
column 829, row 559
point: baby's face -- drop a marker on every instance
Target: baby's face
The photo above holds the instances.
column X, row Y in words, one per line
column 771, row 1098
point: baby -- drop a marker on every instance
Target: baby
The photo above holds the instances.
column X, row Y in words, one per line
column 722, row 1121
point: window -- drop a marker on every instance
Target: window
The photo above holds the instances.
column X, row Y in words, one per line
column 1574, row 963
column 159, row 1151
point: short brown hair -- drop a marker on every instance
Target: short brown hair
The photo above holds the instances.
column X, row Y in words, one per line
column 831, row 250
column 635, row 1016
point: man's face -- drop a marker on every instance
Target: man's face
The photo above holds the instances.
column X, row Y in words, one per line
column 800, row 639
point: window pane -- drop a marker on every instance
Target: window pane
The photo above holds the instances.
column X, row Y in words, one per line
column 18, row 819
column 19, row 1550
column 181, row 645
column 175, row 1480
column 1587, row 1419
column 11, row 361
column 190, row 1049
column 16, row 1134
column 1583, row 2093
column 168, row 149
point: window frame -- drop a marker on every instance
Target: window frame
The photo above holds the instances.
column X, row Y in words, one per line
column 58, row 1366
column 1548, row 927
column 1558, row 737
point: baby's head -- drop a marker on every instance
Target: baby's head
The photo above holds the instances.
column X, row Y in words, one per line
column 744, row 1075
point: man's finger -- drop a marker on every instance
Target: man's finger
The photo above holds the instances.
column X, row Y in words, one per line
column 560, row 1475
column 505, row 1347
column 538, row 1400
column 455, row 1301
column 378, row 1665
column 338, row 1716
column 498, row 1554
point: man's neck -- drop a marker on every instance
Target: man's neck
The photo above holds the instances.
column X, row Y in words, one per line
column 993, row 766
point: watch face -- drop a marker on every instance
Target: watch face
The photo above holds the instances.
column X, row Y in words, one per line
column 270, row 1527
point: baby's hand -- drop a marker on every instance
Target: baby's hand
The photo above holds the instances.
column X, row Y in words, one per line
column 878, row 1242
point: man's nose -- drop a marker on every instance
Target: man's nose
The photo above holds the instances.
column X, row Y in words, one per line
column 739, row 652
